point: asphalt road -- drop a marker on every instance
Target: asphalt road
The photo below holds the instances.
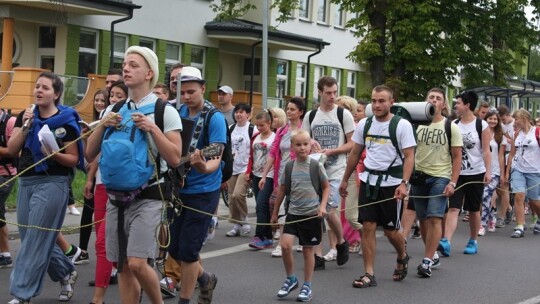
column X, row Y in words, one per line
column 504, row 271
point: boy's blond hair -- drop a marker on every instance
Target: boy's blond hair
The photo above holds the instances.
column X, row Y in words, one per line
column 299, row 133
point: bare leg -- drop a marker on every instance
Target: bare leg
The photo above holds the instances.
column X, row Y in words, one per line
column 130, row 290
column 99, row 295
column 309, row 263
column 190, row 273
column 147, row 278
column 431, row 233
column 286, row 243
column 519, row 208
column 474, row 224
column 4, row 239
column 407, row 221
column 368, row 246
column 451, row 223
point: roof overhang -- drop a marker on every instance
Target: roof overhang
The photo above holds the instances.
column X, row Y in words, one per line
column 81, row 7
column 248, row 33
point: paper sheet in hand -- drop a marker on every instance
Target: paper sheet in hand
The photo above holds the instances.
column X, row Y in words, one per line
column 46, row 138
column 318, row 157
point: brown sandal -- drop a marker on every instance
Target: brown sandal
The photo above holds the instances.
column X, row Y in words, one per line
column 400, row 274
column 363, row 282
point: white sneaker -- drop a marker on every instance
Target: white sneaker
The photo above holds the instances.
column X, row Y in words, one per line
column 235, row 231
column 277, row 252
column 73, row 210
column 482, row 231
column 331, row 255
column 246, row 230
column 299, row 248
column 277, row 235
column 211, row 229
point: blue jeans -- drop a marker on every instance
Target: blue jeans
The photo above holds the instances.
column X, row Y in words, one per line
column 262, row 207
column 433, row 206
column 42, row 202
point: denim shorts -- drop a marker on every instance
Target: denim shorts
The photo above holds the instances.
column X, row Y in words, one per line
column 436, row 205
column 334, row 198
column 526, row 182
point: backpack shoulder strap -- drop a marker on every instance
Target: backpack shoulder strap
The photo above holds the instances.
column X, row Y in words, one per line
column 312, row 114
column 392, row 130
column 479, row 129
column 448, row 131
column 315, row 178
column 340, row 118
column 159, row 113
column 3, row 125
column 250, row 129
column 288, row 173
column 117, row 106
column 369, row 121
column 231, row 127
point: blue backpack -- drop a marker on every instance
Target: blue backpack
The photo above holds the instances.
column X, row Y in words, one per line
column 125, row 164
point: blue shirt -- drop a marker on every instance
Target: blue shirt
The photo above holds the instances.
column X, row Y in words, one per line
column 197, row 182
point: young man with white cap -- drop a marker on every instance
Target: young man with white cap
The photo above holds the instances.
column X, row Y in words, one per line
column 225, row 95
column 142, row 216
column 201, row 189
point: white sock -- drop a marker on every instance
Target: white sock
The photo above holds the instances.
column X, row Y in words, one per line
column 6, row 254
column 436, row 256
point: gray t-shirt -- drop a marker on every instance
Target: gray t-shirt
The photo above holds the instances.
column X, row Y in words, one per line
column 229, row 116
column 304, row 198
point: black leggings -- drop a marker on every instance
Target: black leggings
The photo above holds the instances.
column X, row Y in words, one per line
column 86, row 219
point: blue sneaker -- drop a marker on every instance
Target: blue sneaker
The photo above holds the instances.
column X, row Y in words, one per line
column 257, row 243
column 288, row 286
column 444, row 247
column 305, row 294
column 471, row 248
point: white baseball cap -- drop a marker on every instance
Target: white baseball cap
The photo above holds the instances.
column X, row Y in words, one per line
column 226, row 89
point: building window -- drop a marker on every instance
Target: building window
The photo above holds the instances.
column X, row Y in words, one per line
column 120, row 47
column 300, row 89
column 46, row 45
column 87, row 53
column 318, row 72
column 173, row 53
column 282, row 73
column 149, row 43
column 336, row 73
column 303, row 9
column 338, row 15
column 322, row 12
column 197, row 58
column 351, row 84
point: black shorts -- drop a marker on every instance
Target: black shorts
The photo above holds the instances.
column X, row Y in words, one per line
column 470, row 195
column 309, row 232
column 410, row 204
column 386, row 214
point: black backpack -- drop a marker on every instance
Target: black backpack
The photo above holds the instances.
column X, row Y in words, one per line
column 4, row 161
column 226, row 157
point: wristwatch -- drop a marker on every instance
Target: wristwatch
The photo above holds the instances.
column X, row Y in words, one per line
column 452, row 184
column 405, row 182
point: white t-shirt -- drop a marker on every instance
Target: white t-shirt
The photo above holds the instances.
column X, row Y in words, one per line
column 508, row 129
column 261, row 149
column 326, row 130
column 380, row 152
column 495, row 167
column 240, row 147
column 527, row 158
column 472, row 161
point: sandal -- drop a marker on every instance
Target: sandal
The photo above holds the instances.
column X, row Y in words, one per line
column 400, row 274
column 367, row 280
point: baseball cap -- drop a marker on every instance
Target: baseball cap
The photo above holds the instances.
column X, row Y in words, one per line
column 226, row 89
column 190, row 73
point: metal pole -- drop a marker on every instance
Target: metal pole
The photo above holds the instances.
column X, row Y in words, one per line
column 251, row 79
column 111, row 59
column 266, row 11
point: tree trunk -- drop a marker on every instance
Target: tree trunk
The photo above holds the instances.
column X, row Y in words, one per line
column 377, row 21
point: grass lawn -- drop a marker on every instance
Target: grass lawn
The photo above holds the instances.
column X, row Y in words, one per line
column 78, row 188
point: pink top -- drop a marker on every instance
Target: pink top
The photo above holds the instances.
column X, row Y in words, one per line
column 9, row 131
column 275, row 152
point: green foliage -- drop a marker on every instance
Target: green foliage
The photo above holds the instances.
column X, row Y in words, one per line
column 231, row 9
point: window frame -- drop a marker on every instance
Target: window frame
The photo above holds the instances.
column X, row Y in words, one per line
column 282, row 78
column 307, row 9
column 300, row 79
column 148, row 40
column 120, row 55
column 351, row 86
column 325, row 17
column 199, row 65
column 91, row 51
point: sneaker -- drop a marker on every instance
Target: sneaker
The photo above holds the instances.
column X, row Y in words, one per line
column 444, row 247
column 482, row 231
column 319, row 263
column 67, row 287
column 518, row 233
column 471, row 248
column 74, row 253
column 536, row 229
column 533, row 222
column 277, row 252
column 246, row 230
column 73, row 210
column 416, row 233
column 206, row 292
column 166, row 285
column 5, row 262
column 257, row 243
column 211, row 229
column 500, row 223
column 342, row 253
column 466, row 216
column 305, row 294
column 491, row 226
column 235, row 231
column 331, row 255
column 277, row 235
column 287, row 287
column 18, row 301
column 424, row 269
column 299, row 248
column 82, row 259
column 436, row 261
column 509, row 216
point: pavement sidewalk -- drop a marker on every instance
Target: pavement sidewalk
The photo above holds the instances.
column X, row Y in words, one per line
column 74, row 221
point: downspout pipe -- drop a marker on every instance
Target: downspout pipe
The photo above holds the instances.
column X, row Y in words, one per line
column 128, row 17
column 252, row 72
column 308, row 72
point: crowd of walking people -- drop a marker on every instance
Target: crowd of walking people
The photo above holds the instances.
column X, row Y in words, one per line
column 330, row 169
